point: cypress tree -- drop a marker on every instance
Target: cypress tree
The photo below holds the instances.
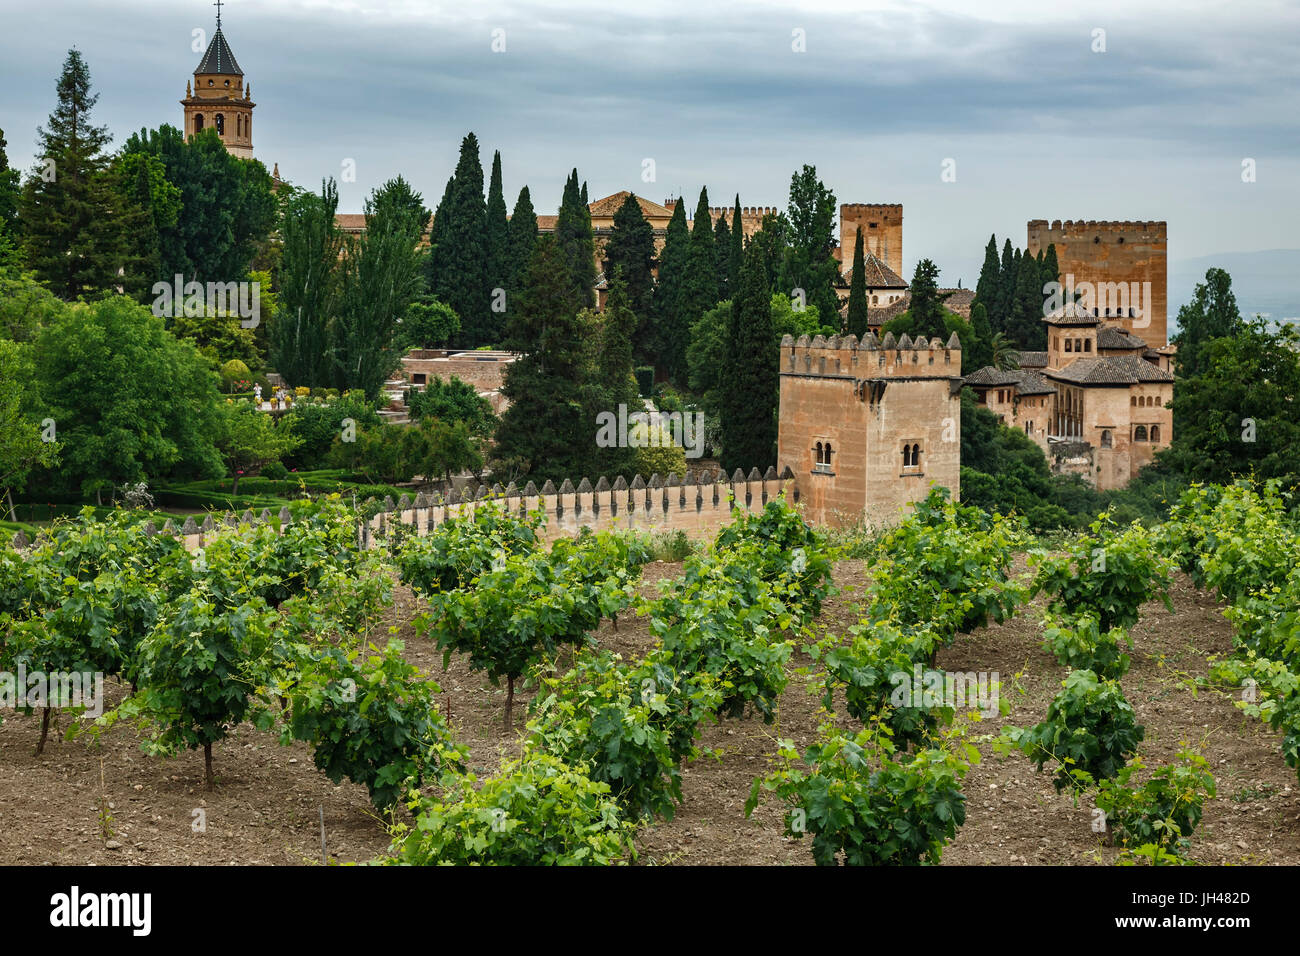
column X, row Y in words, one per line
column 1051, row 271
column 542, row 433
column 721, row 253
column 1025, row 321
column 498, row 229
column 520, row 239
column 67, row 211
column 613, row 381
column 435, row 262
column 700, row 282
column 463, row 283
column 736, row 256
column 630, row 252
column 1000, row 308
column 986, row 289
column 577, row 243
column 749, row 400
column 981, row 352
column 856, row 323
column 668, row 290
column 926, row 305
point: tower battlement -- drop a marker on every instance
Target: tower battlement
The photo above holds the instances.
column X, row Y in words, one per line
column 848, row 358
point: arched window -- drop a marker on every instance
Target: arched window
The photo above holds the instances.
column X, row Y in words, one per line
column 818, row 448
column 1140, row 433
column 828, row 453
column 1155, row 432
column 198, row 122
column 1105, row 439
column 916, row 456
column 1133, row 400
column 875, row 300
column 239, row 124
column 1087, row 345
column 907, row 456
column 1069, row 345
column 221, row 124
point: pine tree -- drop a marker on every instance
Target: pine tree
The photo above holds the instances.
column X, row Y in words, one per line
column 1212, row 313
column 67, row 210
column 668, row 292
column 462, row 260
column 521, row 238
column 721, row 253
column 574, row 235
column 749, row 399
column 856, row 323
column 542, row 433
column 9, row 192
column 736, row 255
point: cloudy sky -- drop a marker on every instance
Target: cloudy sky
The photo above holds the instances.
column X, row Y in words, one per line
column 736, row 96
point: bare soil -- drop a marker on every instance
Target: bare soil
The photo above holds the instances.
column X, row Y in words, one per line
column 269, row 799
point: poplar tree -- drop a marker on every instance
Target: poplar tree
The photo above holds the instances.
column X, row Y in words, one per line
column 750, row 394
column 308, row 288
column 856, row 323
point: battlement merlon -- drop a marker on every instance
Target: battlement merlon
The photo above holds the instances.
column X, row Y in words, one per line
column 1077, row 229
column 847, row 357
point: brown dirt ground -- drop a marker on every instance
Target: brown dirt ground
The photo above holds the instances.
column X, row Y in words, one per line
column 268, row 799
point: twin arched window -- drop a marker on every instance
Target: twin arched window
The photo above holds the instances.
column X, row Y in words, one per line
column 911, row 455
column 824, row 452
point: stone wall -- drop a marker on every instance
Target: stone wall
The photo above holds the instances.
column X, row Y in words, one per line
column 486, row 371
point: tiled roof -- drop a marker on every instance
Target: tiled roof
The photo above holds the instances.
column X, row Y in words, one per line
column 959, row 301
column 547, row 223
column 1067, row 315
column 350, row 221
column 218, row 59
column 1114, row 370
column 606, row 207
column 879, row 275
column 1113, row 337
column 1033, row 360
column 1026, row 382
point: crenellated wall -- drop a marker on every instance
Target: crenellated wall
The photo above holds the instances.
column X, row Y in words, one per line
column 866, row 428
column 698, row 506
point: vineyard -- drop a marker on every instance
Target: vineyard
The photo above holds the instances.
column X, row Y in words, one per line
column 952, row 690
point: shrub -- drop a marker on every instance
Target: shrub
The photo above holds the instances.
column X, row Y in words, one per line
column 275, row 471
column 1165, row 809
column 1090, row 726
column 535, row 812
column 861, row 801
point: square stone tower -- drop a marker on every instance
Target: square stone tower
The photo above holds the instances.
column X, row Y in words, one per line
column 869, row 427
column 1124, row 261
column 882, row 233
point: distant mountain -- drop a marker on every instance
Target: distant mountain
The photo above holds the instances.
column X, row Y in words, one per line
column 1266, row 282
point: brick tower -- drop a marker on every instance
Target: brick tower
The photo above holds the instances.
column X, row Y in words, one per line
column 220, row 98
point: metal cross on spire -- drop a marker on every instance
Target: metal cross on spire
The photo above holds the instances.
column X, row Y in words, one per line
column 218, row 6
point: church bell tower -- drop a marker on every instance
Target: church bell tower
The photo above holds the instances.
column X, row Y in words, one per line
column 220, row 99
